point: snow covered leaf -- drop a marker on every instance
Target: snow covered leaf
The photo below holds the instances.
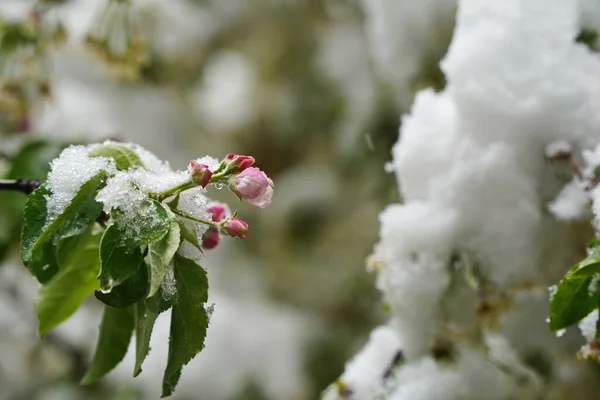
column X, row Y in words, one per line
column 124, row 157
column 118, row 261
column 589, row 266
column 166, row 297
column 189, row 320
column 572, row 301
column 130, row 291
column 161, row 253
column 151, row 219
column 37, row 232
column 79, row 262
column 113, row 340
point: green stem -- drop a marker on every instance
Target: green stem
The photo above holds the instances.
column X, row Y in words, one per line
column 179, row 188
column 191, row 217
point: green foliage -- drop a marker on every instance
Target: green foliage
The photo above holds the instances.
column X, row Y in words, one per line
column 589, row 266
column 161, row 253
column 189, row 320
column 129, row 291
column 113, row 340
column 118, row 261
column 124, row 157
column 588, row 37
column 127, row 258
column 79, row 263
column 572, row 300
column 41, row 233
column 188, row 235
column 152, row 220
column 144, row 323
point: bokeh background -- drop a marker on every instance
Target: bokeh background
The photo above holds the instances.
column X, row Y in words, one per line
column 313, row 89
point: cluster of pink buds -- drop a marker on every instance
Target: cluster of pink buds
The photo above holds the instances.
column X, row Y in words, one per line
column 247, row 182
column 231, row 226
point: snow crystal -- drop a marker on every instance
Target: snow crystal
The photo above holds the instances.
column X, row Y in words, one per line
column 427, row 380
column 364, row 373
column 121, row 193
column 591, row 157
column 168, row 285
column 404, row 34
column 68, row 173
column 212, row 162
column 571, row 203
column 587, row 326
column 558, row 147
column 156, row 182
column 194, row 202
column 471, row 165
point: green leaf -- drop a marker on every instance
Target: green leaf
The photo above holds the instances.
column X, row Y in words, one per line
column 188, row 235
column 161, row 253
column 113, row 340
column 79, row 263
column 124, row 157
column 129, row 292
column 589, row 266
column 144, row 323
column 42, row 264
column 165, row 298
column 74, row 219
column 189, row 320
column 571, row 302
column 118, row 261
column 588, row 37
column 152, row 221
column 173, row 203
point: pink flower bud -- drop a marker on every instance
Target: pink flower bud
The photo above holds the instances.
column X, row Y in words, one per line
column 210, row 239
column 201, row 174
column 253, row 185
column 217, row 211
column 239, row 163
column 235, row 227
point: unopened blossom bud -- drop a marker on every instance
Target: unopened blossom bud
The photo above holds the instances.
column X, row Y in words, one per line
column 217, row 212
column 210, row 239
column 201, row 174
column 238, row 163
column 235, row 227
column 253, row 185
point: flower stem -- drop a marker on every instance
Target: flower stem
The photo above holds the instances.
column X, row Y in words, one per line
column 179, row 188
column 19, row 185
column 191, row 217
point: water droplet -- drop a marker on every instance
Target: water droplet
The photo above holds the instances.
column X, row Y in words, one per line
column 560, row 332
column 106, row 285
column 219, row 186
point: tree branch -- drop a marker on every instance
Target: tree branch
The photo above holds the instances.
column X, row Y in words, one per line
column 19, row 185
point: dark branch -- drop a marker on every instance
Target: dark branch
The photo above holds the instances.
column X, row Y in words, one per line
column 19, row 185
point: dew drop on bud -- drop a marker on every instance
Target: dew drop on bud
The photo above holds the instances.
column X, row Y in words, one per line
column 219, row 186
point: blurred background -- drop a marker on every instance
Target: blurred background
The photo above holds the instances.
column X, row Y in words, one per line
column 313, row 89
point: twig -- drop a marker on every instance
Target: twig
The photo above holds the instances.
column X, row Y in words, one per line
column 19, row 185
